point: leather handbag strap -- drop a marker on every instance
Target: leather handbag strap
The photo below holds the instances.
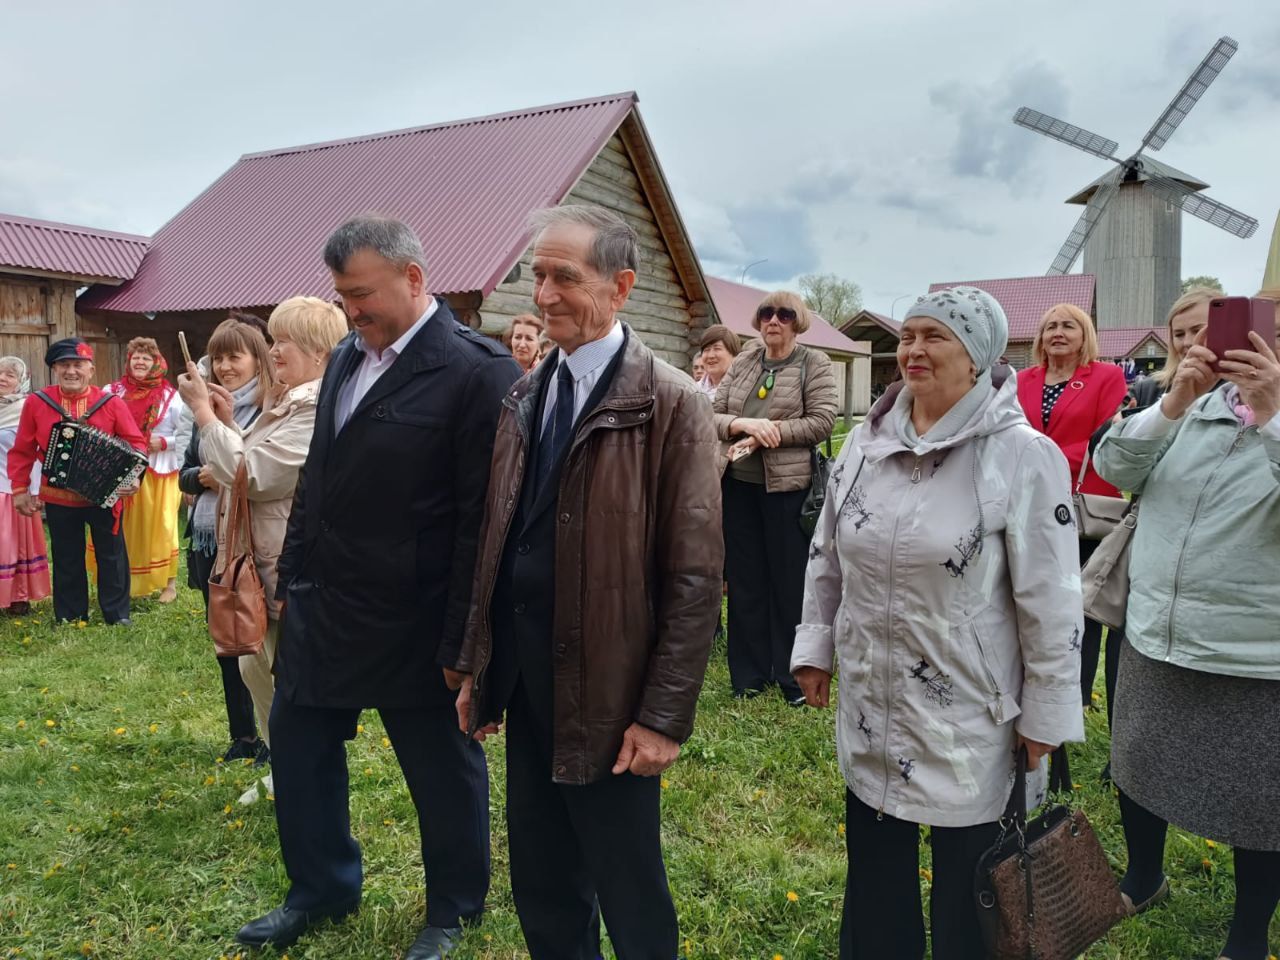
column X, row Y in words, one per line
column 1059, row 771
column 1084, row 468
column 239, row 527
column 1015, row 811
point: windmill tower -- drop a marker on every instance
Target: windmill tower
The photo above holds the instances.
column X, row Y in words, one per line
column 1131, row 227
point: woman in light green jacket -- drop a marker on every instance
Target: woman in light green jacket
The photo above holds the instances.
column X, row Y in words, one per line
column 1196, row 723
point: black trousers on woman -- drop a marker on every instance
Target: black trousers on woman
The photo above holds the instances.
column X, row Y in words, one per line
column 883, row 916
column 765, row 557
column 234, row 693
column 1091, row 648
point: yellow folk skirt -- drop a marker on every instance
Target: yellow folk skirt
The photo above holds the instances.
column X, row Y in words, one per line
column 150, row 528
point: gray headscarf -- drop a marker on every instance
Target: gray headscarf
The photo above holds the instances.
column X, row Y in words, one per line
column 11, row 405
column 979, row 323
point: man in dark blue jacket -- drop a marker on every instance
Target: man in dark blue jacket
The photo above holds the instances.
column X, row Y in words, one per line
column 376, row 575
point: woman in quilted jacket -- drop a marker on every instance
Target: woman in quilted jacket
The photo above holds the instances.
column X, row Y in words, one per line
column 777, row 402
column 943, row 579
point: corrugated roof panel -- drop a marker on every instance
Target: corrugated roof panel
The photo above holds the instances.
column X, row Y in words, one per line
column 736, row 305
column 66, row 248
column 255, row 236
column 1026, row 299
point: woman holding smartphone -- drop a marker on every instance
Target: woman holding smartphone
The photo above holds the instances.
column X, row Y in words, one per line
column 776, row 402
column 1196, row 723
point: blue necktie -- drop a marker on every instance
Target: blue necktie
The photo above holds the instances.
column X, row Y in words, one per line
column 556, row 438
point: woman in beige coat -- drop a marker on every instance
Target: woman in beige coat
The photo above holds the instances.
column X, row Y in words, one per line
column 777, row 402
column 304, row 330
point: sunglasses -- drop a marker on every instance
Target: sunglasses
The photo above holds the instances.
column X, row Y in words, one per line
column 784, row 314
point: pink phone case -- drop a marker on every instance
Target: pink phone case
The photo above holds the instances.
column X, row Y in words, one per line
column 1232, row 318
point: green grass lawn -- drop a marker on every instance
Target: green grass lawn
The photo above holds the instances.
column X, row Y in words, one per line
column 120, row 835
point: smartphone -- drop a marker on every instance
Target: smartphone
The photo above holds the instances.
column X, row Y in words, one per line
column 186, row 352
column 1232, row 318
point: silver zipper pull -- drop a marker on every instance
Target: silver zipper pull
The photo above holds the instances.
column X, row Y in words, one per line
column 915, row 473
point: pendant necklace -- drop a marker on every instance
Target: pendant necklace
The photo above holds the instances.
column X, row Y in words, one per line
column 768, row 385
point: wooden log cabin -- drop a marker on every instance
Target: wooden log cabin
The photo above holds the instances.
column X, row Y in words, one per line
column 255, row 236
column 42, row 266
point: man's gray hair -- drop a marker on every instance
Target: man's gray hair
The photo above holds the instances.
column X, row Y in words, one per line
column 615, row 247
column 389, row 238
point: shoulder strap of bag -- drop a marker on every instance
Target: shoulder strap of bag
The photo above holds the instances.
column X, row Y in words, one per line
column 1015, row 811
column 239, row 527
column 1059, row 772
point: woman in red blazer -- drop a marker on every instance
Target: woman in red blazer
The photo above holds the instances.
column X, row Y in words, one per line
column 1068, row 395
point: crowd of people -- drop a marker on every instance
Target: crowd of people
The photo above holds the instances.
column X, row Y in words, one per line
column 536, row 535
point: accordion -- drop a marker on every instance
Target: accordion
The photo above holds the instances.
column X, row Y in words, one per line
column 91, row 463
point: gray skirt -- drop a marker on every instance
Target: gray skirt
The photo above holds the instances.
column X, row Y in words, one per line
column 1200, row 750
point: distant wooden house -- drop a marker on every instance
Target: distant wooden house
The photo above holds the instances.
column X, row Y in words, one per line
column 881, row 333
column 736, row 304
column 42, row 266
column 255, row 236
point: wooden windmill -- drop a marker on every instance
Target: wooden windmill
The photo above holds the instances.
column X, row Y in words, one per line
column 1131, row 228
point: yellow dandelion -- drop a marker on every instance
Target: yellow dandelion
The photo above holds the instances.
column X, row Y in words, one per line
column 43, row 742
column 227, row 808
column 665, row 783
column 152, row 929
column 792, row 896
column 26, row 641
column 388, row 823
column 18, row 623
column 74, row 768
column 119, row 731
column 239, row 824
column 86, row 948
column 1210, row 844
column 51, row 723
column 759, row 794
column 1207, row 863
column 359, row 728
column 926, row 875
column 217, row 760
column 42, row 689
column 22, row 724
column 386, row 742
column 82, row 624
column 154, row 727
column 777, row 956
column 840, row 829
column 13, row 866
column 209, row 781
column 368, row 771
column 1075, row 786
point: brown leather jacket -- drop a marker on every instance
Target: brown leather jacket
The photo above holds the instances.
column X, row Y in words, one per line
column 636, row 623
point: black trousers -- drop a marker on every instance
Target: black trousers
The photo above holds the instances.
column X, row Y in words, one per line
column 765, row 557
column 234, row 693
column 71, row 578
column 448, row 781
column 883, row 914
column 580, row 851
column 1091, row 649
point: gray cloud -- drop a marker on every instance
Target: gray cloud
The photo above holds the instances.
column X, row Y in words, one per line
column 937, row 211
column 782, row 233
column 987, row 142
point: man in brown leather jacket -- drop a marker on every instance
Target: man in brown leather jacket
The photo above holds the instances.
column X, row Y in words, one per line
column 597, row 591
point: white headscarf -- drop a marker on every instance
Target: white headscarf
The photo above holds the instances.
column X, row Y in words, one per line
column 11, row 405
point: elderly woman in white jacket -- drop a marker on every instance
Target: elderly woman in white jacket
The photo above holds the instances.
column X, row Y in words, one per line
column 304, row 330
column 943, row 578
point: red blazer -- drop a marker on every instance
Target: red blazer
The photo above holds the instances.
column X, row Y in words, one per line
column 37, row 422
column 1091, row 398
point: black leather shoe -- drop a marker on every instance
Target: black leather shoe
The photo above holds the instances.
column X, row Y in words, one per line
column 122, row 622
column 282, row 927
column 434, row 943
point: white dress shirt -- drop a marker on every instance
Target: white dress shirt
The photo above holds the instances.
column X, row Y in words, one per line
column 372, row 367
column 586, row 364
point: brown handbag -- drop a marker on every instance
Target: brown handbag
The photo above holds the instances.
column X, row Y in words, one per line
column 1045, row 890
column 237, row 602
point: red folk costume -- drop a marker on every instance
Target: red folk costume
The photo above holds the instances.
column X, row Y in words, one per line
column 38, row 421
column 148, row 399
column 1091, row 398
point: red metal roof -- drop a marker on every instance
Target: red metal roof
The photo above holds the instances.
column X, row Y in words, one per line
column 1026, row 299
column 65, row 248
column 254, row 238
column 736, row 304
column 1120, row 342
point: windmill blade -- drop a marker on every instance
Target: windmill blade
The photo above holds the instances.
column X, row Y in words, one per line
column 1084, row 226
column 1198, row 205
column 1067, row 133
column 1191, row 92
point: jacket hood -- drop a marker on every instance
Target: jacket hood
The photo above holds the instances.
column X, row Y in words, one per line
column 879, row 436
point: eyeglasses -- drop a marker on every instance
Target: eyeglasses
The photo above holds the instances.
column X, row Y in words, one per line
column 784, row 314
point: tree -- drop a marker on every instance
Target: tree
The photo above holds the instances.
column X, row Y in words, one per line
column 1213, row 283
column 834, row 298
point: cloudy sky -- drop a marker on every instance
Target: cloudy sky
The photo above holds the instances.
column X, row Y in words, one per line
column 855, row 138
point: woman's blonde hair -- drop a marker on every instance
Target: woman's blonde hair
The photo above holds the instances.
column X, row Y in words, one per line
column 1192, row 298
column 522, row 320
column 1088, row 347
column 784, row 298
column 315, row 325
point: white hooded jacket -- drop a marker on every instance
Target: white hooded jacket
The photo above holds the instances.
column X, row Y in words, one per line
column 945, row 579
